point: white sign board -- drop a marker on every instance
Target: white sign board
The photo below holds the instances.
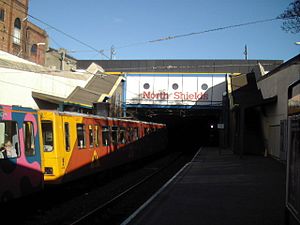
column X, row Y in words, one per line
column 175, row 89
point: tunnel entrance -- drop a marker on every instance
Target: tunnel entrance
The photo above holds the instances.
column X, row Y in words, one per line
column 190, row 133
column 188, row 129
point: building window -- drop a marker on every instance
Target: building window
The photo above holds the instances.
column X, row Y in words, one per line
column 2, row 14
column 17, row 31
column 33, row 49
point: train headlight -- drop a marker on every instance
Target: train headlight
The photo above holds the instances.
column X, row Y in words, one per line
column 48, row 170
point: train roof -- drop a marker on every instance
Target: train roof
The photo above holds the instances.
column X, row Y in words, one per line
column 99, row 117
column 18, row 108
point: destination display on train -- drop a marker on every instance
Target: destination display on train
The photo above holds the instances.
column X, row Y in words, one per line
column 175, row 89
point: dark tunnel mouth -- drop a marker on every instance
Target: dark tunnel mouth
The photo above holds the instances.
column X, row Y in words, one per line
column 189, row 133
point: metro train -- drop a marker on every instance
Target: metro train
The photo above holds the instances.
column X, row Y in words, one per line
column 54, row 147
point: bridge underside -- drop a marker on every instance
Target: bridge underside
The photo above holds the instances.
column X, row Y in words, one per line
column 189, row 128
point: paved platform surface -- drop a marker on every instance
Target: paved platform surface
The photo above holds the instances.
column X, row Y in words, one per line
column 219, row 189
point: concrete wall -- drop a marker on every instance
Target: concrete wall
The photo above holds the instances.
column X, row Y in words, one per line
column 276, row 85
column 55, row 60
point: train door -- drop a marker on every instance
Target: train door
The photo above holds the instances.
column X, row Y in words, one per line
column 67, row 142
column 50, row 144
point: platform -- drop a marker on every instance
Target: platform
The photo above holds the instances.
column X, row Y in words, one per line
column 219, row 188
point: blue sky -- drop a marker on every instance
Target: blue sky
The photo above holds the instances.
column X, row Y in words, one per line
column 102, row 24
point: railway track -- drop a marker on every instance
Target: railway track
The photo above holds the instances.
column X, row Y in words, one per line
column 97, row 199
column 121, row 205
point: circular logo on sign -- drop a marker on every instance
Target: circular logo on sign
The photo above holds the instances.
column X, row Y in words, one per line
column 146, row 86
column 204, row 86
column 175, row 86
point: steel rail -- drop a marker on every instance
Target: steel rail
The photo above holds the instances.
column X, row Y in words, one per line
column 122, row 194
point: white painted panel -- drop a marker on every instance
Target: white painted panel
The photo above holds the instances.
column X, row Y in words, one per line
column 144, row 80
column 175, row 86
column 175, row 89
column 161, row 90
column 133, row 90
column 219, row 87
column 205, row 85
column 17, row 86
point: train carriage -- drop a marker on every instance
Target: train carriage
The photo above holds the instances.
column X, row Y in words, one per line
column 77, row 145
column 39, row 147
column 21, row 169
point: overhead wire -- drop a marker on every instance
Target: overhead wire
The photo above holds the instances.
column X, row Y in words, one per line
column 167, row 38
column 213, row 29
column 68, row 35
column 149, row 41
column 60, row 31
column 159, row 68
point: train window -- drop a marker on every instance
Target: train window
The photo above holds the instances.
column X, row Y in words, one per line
column 114, row 135
column 67, row 137
column 9, row 141
column 130, row 134
column 105, row 136
column 96, row 136
column 136, row 134
column 91, row 136
column 122, row 137
column 147, row 131
column 29, row 138
column 81, row 136
column 47, row 133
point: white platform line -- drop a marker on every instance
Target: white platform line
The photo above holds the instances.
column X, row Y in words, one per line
column 136, row 212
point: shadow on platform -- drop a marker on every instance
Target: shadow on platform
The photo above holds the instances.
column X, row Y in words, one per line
column 220, row 188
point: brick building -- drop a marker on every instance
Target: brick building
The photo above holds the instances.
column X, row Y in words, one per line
column 19, row 36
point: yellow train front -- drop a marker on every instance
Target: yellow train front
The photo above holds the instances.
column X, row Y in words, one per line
column 77, row 145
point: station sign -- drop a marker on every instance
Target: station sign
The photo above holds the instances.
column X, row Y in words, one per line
column 175, row 88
